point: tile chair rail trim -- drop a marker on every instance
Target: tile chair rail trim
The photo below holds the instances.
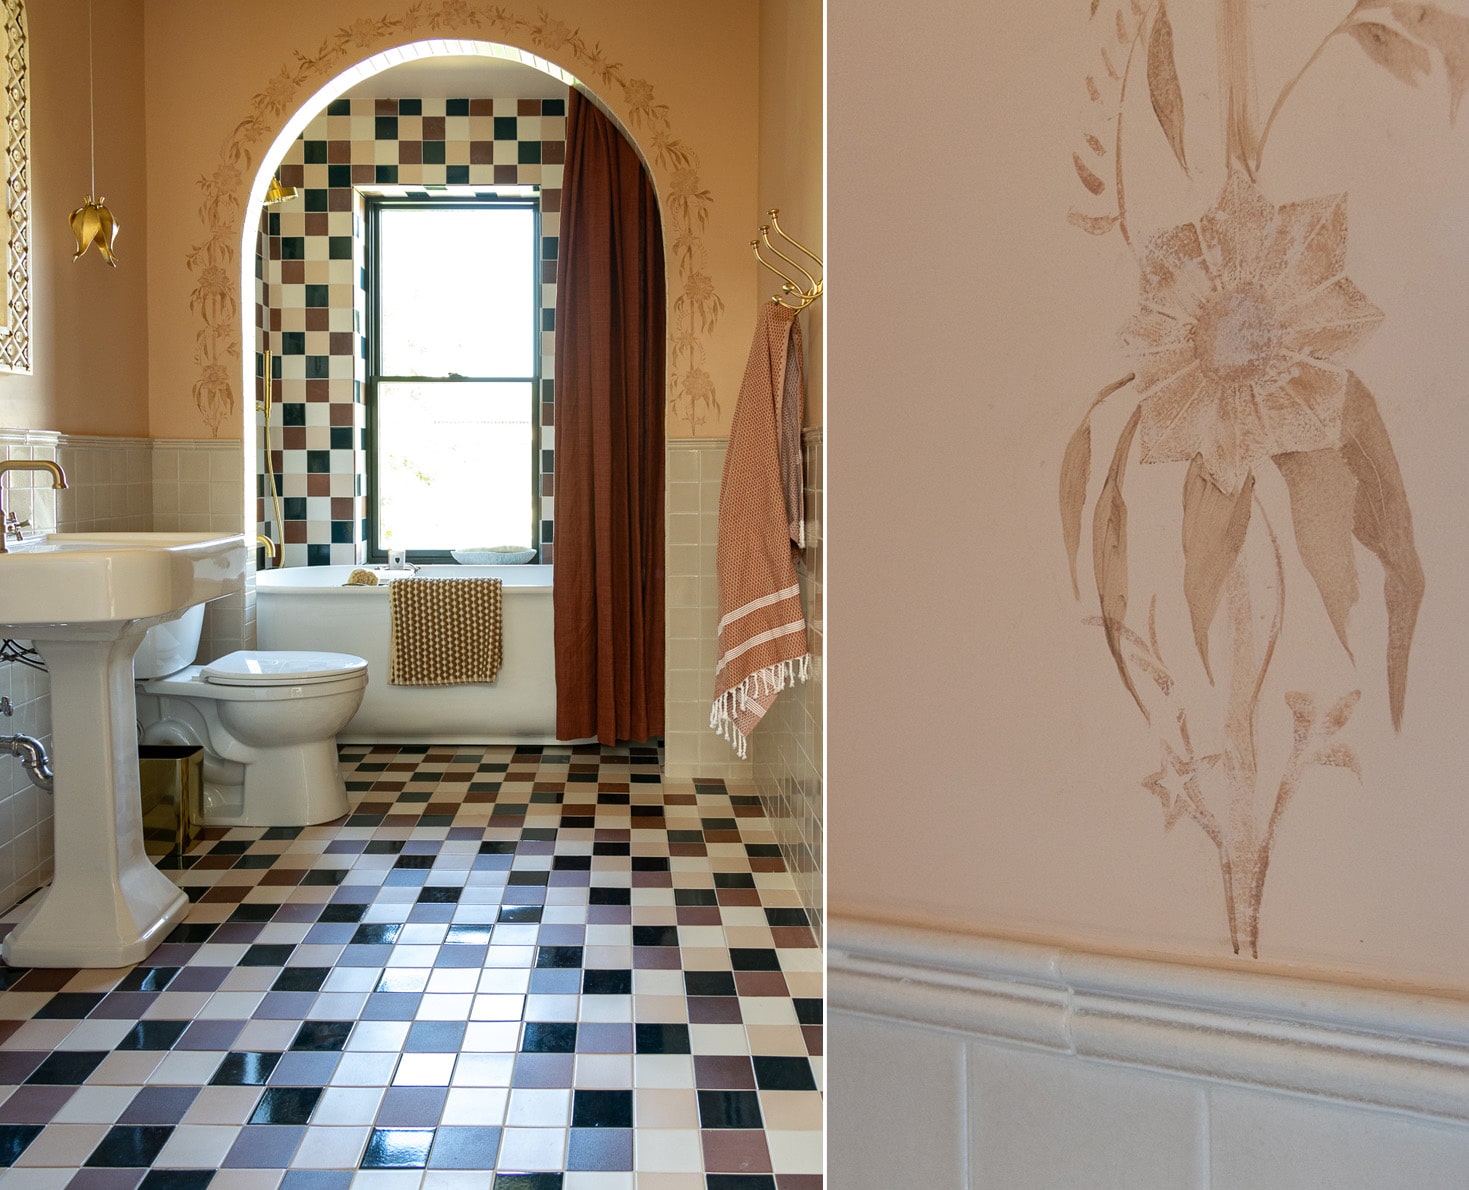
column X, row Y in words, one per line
column 1371, row 1047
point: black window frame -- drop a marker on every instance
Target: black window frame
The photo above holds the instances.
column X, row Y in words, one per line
column 375, row 204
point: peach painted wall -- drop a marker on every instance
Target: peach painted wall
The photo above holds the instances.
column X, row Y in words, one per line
column 986, row 765
column 793, row 157
column 205, row 63
column 88, row 322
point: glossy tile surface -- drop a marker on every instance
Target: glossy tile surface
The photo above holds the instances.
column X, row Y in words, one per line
column 505, row 968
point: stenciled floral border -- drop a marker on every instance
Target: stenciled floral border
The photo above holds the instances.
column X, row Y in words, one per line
column 15, row 335
column 214, row 300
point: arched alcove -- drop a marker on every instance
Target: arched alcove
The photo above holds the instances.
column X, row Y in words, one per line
column 486, row 125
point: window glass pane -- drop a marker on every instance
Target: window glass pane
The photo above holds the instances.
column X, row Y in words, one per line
column 453, row 465
column 456, row 291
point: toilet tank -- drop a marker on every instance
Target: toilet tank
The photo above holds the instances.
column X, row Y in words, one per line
column 170, row 646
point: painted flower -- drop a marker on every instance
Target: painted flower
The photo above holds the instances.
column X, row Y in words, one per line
column 280, row 92
column 1243, row 320
column 551, row 33
column 363, row 31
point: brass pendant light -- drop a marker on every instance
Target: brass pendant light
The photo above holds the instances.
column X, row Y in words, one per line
column 92, row 223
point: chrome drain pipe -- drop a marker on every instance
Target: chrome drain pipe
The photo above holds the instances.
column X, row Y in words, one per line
column 31, row 751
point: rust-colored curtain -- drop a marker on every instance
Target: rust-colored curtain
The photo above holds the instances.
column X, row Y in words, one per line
column 608, row 546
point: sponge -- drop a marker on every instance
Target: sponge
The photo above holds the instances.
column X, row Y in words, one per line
column 361, row 578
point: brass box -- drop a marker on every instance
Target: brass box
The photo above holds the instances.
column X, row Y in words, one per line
column 170, row 778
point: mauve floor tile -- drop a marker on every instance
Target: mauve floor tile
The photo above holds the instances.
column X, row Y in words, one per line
column 34, row 1105
column 438, row 934
column 264, row 1146
column 159, row 1105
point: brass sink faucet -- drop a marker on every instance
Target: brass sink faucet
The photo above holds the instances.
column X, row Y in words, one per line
column 58, row 481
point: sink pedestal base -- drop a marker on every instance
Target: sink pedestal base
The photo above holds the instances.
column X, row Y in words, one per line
column 107, row 905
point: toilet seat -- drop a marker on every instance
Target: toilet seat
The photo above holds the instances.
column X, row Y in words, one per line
column 247, row 667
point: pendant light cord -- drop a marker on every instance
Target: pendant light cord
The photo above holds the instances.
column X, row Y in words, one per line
column 91, row 105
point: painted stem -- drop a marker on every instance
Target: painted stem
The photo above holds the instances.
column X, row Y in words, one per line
column 1236, row 83
column 1291, row 86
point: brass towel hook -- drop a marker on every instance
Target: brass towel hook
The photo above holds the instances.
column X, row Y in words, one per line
column 800, row 295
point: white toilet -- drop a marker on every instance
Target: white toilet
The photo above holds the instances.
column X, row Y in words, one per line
column 267, row 722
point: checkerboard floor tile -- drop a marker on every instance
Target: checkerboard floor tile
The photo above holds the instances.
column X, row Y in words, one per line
column 507, row 968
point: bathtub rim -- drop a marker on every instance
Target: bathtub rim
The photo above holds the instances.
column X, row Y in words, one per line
column 530, row 577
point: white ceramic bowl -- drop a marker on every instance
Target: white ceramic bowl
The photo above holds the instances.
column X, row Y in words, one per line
column 499, row 555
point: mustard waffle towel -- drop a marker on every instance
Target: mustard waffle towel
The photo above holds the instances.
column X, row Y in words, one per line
column 444, row 631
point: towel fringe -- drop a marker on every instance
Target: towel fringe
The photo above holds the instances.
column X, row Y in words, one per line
column 772, row 679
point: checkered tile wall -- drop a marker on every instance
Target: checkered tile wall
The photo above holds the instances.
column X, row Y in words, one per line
column 311, row 304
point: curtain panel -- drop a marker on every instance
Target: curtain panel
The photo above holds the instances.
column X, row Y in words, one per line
column 609, row 418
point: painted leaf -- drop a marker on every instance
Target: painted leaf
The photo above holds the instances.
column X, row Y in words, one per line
column 1214, row 527
column 1322, row 493
column 1094, row 9
column 1096, row 225
column 1383, row 522
column 1341, row 711
column 1163, row 88
column 1109, row 554
column 1406, row 60
column 1076, row 469
column 1446, row 32
column 1303, row 714
column 1339, row 756
column 1088, row 179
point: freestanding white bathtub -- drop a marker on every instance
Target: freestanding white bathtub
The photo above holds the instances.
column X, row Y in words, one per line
column 307, row 607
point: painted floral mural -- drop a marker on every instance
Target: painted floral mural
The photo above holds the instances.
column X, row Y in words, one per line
column 1240, row 348
column 695, row 307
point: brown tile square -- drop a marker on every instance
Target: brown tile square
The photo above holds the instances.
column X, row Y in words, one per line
column 735, row 1150
column 550, row 200
column 761, row 983
column 339, row 198
column 792, row 937
column 318, row 391
column 340, row 342
column 318, row 318
column 293, row 437
column 815, row 1039
column 553, row 152
column 364, row 174
column 714, row 1010
column 385, row 107
column 410, row 152
column 339, row 415
column 318, row 485
column 44, row 979
column 481, row 107
column 339, row 152
column 507, row 175
column 226, row 892
column 433, row 127
column 293, row 272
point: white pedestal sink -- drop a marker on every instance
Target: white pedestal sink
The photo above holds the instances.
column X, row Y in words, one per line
column 86, row 601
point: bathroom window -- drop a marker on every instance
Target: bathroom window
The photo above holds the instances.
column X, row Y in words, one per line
column 453, row 373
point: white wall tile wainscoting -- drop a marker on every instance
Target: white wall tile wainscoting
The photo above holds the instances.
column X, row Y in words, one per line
column 970, row 1061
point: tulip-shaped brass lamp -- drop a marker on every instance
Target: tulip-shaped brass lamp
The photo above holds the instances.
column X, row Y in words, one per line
column 92, row 223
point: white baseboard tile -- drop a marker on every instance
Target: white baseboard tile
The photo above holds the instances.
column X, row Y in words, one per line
column 1093, row 1070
